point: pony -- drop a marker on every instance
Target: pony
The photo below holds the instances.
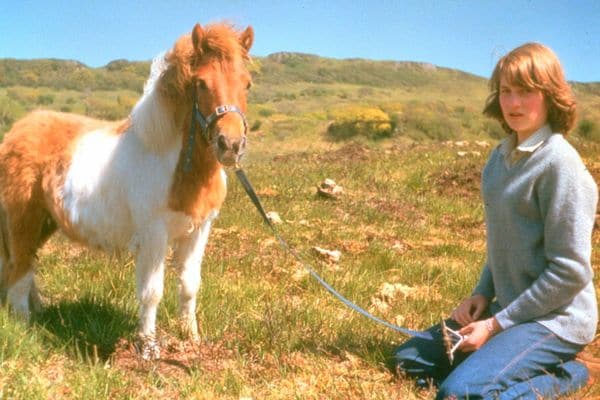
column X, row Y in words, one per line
column 143, row 184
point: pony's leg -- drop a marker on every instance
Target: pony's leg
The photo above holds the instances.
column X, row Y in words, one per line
column 48, row 228
column 188, row 255
column 151, row 249
column 17, row 295
column 23, row 231
column 35, row 300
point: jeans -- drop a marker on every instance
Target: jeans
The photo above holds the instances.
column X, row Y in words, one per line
column 526, row 361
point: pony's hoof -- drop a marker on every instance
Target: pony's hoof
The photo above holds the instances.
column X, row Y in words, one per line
column 35, row 300
column 189, row 330
column 148, row 348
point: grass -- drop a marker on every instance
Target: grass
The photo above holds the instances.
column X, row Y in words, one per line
column 410, row 214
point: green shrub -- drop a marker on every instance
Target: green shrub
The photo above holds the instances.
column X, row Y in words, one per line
column 352, row 121
column 126, row 101
column 589, row 130
column 10, row 111
column 365, row 92
column 45, row 99
column 256, row 125
column 24, row 95
column 105, row 108
column 427, row 120
column 265, row 111
column 493, row 129
column 438, row 127
column 316, row 92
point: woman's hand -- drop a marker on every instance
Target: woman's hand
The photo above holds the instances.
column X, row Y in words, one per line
column 477, row 333
column 470, row 309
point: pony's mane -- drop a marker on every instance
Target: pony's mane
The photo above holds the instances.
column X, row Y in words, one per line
column 151, row 120
column 157, row 68
column 222, row 41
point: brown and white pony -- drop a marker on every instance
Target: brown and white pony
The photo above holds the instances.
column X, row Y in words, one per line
column 153, row 180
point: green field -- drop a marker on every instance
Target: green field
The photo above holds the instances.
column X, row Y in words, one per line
column 409, row 226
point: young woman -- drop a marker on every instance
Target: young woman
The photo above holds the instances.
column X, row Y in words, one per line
column 534, row 307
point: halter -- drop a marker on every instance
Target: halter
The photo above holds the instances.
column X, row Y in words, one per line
column 205, row 123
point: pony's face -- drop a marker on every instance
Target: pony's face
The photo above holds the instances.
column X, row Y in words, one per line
column 220, row 78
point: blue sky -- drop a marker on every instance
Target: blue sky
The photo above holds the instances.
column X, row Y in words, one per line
column 466, row 35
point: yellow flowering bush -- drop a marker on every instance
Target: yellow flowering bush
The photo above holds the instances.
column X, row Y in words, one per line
column 351, row 121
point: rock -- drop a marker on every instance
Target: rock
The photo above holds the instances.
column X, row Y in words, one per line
column 332, row 256
column 389, row 291
column 274, row 217
column 328, row 188
column 466, row 153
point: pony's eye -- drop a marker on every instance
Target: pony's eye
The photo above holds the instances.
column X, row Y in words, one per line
column 200, row 84
column 249, row 85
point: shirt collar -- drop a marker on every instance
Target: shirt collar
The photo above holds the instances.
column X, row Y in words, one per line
column 512, row 151
column 534, row 141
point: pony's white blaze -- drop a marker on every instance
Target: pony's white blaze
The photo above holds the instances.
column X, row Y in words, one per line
column 123, row 185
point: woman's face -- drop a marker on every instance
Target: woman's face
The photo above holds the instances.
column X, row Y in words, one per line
column 523, row 109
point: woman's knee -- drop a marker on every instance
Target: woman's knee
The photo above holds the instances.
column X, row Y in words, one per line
column 459, row 389
column 451, row 389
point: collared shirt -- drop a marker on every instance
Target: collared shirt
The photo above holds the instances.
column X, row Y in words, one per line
column 513, row 153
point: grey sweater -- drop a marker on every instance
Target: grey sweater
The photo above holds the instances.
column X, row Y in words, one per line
column 540, row 204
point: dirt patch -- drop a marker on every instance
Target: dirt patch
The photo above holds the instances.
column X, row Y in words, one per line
column 178, row 358
column 460, row 179
column 353, row 152
column 395, row 208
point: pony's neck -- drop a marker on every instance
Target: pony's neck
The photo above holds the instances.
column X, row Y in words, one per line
column 200, row 188
column 154, row 119
column 162, row 124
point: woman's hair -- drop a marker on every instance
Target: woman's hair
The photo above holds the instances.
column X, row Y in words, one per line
column 534, row 66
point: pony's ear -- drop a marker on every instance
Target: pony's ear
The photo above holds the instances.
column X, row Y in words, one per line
column 197, row 34
column 247, row 38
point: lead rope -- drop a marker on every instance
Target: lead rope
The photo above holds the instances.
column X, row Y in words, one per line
column 256, row 201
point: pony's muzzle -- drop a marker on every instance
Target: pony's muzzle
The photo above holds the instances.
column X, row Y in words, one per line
column 230, row 149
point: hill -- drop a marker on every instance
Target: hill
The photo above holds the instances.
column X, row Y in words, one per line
column 275, row 69
column 294, row 95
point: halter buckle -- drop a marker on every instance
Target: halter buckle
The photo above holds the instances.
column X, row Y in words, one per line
column 220, row 110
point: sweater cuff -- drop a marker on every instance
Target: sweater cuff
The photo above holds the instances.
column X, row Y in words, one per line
column 504, row 319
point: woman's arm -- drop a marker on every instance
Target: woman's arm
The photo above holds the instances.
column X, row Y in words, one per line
column 485, row 286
